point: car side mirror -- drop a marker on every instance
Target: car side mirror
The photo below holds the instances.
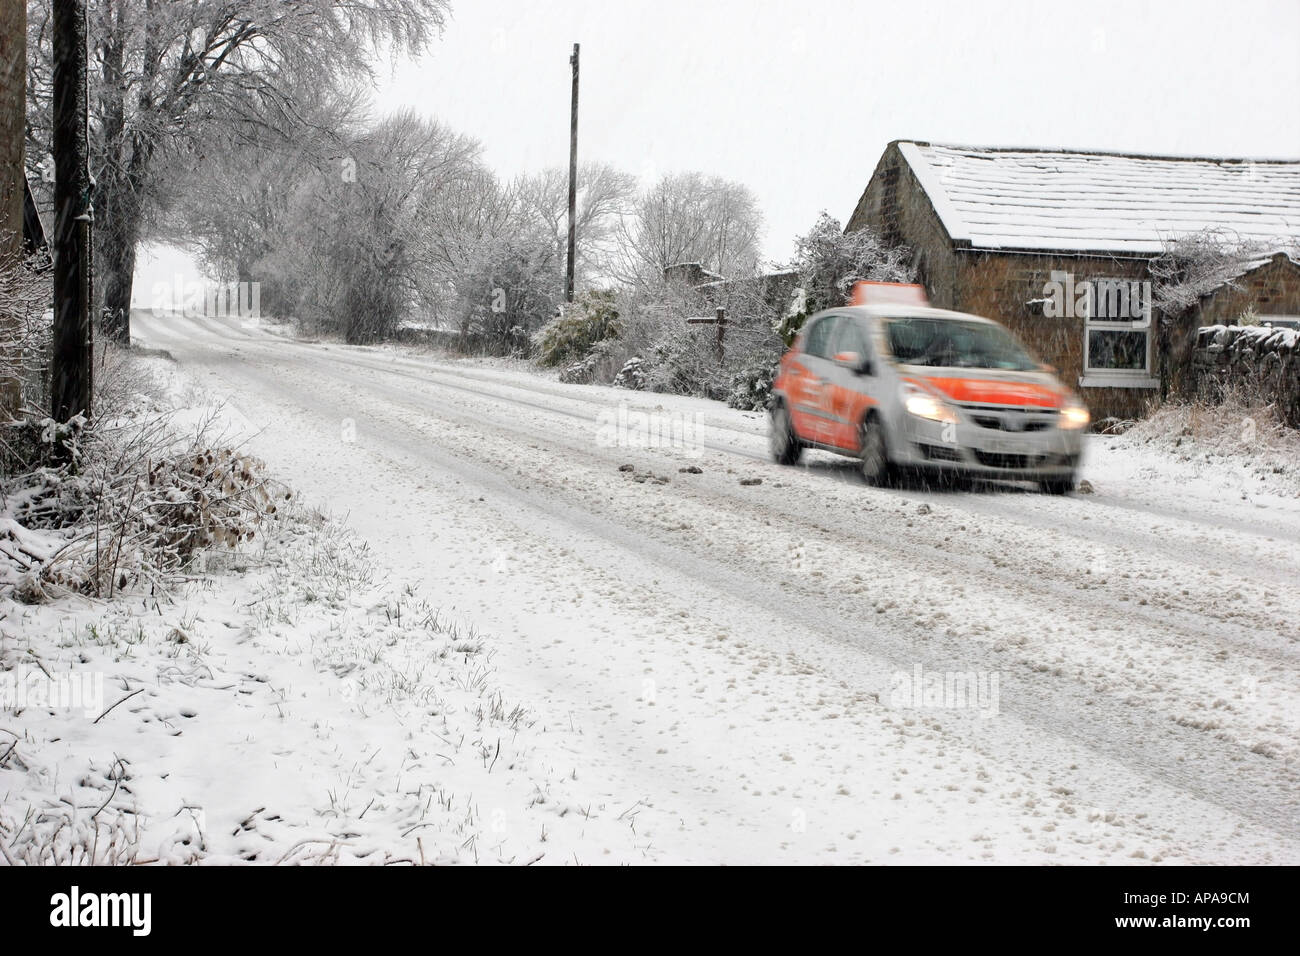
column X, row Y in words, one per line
column 1044, row 367
column 855, row 361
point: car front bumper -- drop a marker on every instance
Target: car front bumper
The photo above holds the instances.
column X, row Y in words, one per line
column 970, row 448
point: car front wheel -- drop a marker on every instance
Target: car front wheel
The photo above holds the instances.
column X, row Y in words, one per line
column 781, row 437
column 873, row 455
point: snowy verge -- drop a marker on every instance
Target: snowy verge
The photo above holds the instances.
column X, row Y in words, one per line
column 275, row 701
column 1236, row 443
column 289, row 709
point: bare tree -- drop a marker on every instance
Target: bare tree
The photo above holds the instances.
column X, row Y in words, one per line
column 495, row 256
column 472, row 210
column 226, row 200
column 1190, row 267
column 348, row 248
column 829, row 261
column 605, row 196
column 1194, row 265
column 405, row 161
column 690, row 217
column 164, row 71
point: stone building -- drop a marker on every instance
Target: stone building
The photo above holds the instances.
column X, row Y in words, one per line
column 1058, row 244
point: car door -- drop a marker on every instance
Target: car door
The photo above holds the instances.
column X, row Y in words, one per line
column 848, row 390
column 809, row 369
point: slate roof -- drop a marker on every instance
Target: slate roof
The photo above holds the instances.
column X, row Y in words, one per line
column 1074, row 201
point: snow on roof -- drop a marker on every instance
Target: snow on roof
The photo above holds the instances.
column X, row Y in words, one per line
column 1073, row 201
column 1293, row 254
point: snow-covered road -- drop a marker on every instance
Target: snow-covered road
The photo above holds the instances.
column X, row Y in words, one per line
column 737, row 659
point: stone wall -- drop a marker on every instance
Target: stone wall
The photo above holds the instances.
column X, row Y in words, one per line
column 1255, row 363
column 1270, row 289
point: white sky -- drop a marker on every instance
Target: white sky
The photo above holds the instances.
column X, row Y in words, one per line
column 797, row 100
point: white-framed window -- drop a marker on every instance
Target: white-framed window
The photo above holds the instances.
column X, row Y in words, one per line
column 1118, row 335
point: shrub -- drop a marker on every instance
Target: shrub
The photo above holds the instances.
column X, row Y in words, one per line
column 594, row 367
column 1196, row 264
column 509, row 290
column 751, row 386
column 93, row 508
column 683, row 362
column 591, row 319
column 634, row 374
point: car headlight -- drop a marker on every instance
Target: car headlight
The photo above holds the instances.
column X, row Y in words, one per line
column 1075, row 416
column 927, row 406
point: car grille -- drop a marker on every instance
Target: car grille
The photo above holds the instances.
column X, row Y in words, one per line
column 1013, row 419
column 993, row 460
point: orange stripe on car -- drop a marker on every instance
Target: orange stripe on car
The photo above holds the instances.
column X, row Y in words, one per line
column 994, row 391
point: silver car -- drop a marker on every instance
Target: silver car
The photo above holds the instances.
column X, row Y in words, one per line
column 908, row 386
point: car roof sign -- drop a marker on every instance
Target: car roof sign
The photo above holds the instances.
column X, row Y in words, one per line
column 888, row 293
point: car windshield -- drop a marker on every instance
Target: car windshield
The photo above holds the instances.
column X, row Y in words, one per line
column 952, row 343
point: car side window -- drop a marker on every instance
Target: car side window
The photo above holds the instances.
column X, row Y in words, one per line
column 852, row 338
column 820, row 337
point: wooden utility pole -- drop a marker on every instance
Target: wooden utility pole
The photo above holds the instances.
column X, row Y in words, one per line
column 13, row 108
column 71, row 361
column 573, row 179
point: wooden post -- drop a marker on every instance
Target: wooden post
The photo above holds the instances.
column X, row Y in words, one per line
column 719, row 323
column 71, row 361
column 573, row 179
